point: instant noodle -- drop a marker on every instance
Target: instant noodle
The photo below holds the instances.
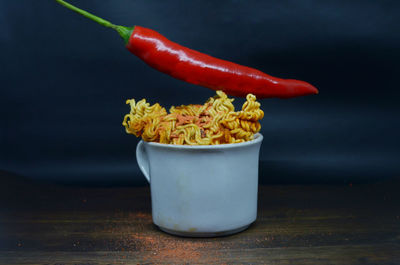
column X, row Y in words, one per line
column 214, row 122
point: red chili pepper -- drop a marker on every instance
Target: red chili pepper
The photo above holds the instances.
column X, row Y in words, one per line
column 199, row 68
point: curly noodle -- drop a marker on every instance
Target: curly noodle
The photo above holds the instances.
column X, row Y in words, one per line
column 214, row 122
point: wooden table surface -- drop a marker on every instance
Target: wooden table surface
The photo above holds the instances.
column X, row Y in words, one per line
column 50, row 224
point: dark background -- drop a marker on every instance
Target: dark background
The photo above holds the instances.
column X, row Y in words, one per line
column 65, row 79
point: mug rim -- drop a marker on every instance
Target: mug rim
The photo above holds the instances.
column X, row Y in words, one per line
column 258, row 137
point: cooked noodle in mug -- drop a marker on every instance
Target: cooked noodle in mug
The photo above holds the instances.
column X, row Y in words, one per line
column 214, row 122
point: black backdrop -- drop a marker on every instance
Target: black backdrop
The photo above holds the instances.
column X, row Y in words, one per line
column 64, row 82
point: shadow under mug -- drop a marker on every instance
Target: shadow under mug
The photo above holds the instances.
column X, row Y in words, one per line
column 202, row 191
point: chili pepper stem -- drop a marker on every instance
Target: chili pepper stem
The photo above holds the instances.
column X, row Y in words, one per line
column 124, row 32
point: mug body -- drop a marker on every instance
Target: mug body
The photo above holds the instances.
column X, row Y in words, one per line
column 202, row 190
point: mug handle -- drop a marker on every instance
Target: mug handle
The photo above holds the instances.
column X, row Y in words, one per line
column 142, row 160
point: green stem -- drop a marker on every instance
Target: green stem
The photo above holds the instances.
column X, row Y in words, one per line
column 124, row 32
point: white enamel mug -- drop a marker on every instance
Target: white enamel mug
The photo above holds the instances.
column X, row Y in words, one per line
column 202, row 191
